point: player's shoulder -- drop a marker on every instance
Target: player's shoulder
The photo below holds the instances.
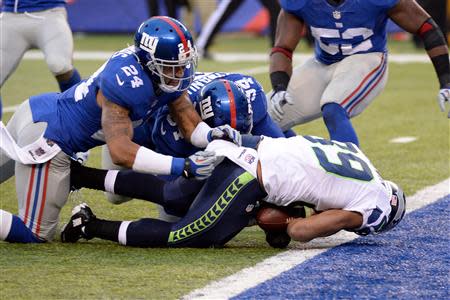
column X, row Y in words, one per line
column 123, row 70
column 384, row 4
column 293, row 5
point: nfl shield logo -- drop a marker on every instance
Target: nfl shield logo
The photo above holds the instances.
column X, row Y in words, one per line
column 336, row 14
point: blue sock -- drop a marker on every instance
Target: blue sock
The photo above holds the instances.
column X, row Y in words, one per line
column 338, row 124
column 74, row 79
column 19, row 233
column 289, row 133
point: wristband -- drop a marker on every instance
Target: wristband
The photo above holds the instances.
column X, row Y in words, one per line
column 199, row 137
column 279, row 80
column 284, row 51
column 177, row 166
column 148, row 161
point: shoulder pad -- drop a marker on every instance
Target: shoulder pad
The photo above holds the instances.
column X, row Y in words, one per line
column 293, row 5
column 387, row 4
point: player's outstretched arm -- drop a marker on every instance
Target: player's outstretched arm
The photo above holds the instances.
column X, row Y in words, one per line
column 411, row 17
column 323, row 224
column 289, row 29
column 118, row 130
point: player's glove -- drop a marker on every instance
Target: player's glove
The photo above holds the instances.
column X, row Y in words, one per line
column 277, row 239
column 225, row 132
column 200, row 165
column 443, row 98
column 276, row 103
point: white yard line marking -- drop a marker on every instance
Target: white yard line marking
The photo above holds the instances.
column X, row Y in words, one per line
column 403, row 139
column 229, row 56
column 250, row 277
column 9, row 109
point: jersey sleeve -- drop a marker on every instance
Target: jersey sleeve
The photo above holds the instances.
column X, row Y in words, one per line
column 267, row 127
column 384, row 4
column 292, row 6
column 125, row 87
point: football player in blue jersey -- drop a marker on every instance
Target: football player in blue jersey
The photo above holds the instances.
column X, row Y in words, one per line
column 27, row 24
column 350, row 65
column 219, row 98
column 48, row 129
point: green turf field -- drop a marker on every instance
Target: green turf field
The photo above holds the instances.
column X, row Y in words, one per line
column 98, row 269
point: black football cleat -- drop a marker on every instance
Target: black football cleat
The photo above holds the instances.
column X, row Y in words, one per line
column 73, row 230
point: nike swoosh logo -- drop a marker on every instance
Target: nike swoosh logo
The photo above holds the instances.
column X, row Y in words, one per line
column 120, row 82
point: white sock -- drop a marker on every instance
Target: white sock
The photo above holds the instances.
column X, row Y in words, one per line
column 5, row 224
column 110, row 180
column 123, row 232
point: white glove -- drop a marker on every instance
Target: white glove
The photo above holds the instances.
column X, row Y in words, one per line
column 443, row 98
column 200, row 165
column 225, row 132
column 276, row 103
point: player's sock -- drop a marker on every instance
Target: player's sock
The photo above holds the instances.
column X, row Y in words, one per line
column 136, row 185
column 338, row 123
column 145, row 233
column 13, row 230
column 81, row 176
column 74, row 79
column 141, row 233
column 104, row 229
column 289, row 133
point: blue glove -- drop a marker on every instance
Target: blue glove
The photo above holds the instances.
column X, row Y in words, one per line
column 225, row 132
column 200, row 165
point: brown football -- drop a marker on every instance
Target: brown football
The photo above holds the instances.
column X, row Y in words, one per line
column 272, row 218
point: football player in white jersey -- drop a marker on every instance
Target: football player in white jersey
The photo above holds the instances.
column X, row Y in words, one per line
column 350, row 65
column 336, row 178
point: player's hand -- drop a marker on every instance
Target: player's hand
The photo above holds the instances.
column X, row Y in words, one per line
column 276, row 103
column 200, row 165
column 443, row 98
column 277, row 239
column 225, row 132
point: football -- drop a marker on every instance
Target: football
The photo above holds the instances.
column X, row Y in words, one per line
column 272, row 218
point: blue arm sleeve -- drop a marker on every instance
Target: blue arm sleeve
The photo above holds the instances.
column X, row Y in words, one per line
column 267, row 127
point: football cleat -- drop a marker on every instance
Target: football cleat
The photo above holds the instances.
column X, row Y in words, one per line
column 74, row 229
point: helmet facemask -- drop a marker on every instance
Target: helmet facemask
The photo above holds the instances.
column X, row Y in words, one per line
column 174, row 75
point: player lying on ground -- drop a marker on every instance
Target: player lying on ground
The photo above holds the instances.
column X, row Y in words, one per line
column 336, row 178
column 124, row 92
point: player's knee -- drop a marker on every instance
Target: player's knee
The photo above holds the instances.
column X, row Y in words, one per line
column 117, row 199
column 59, row 65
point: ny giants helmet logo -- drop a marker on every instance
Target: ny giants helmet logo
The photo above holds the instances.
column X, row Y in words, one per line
column 206, row 108
column 148, row 43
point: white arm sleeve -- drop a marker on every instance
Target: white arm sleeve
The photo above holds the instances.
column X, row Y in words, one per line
column 148, row 161
column 199, row 137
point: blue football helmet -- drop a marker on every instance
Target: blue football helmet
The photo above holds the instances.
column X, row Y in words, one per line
column 165, row 46
column 398, row 205
column 223, row 102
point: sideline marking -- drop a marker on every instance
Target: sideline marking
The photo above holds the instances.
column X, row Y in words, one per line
column 403, row 140
column 267, row 269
